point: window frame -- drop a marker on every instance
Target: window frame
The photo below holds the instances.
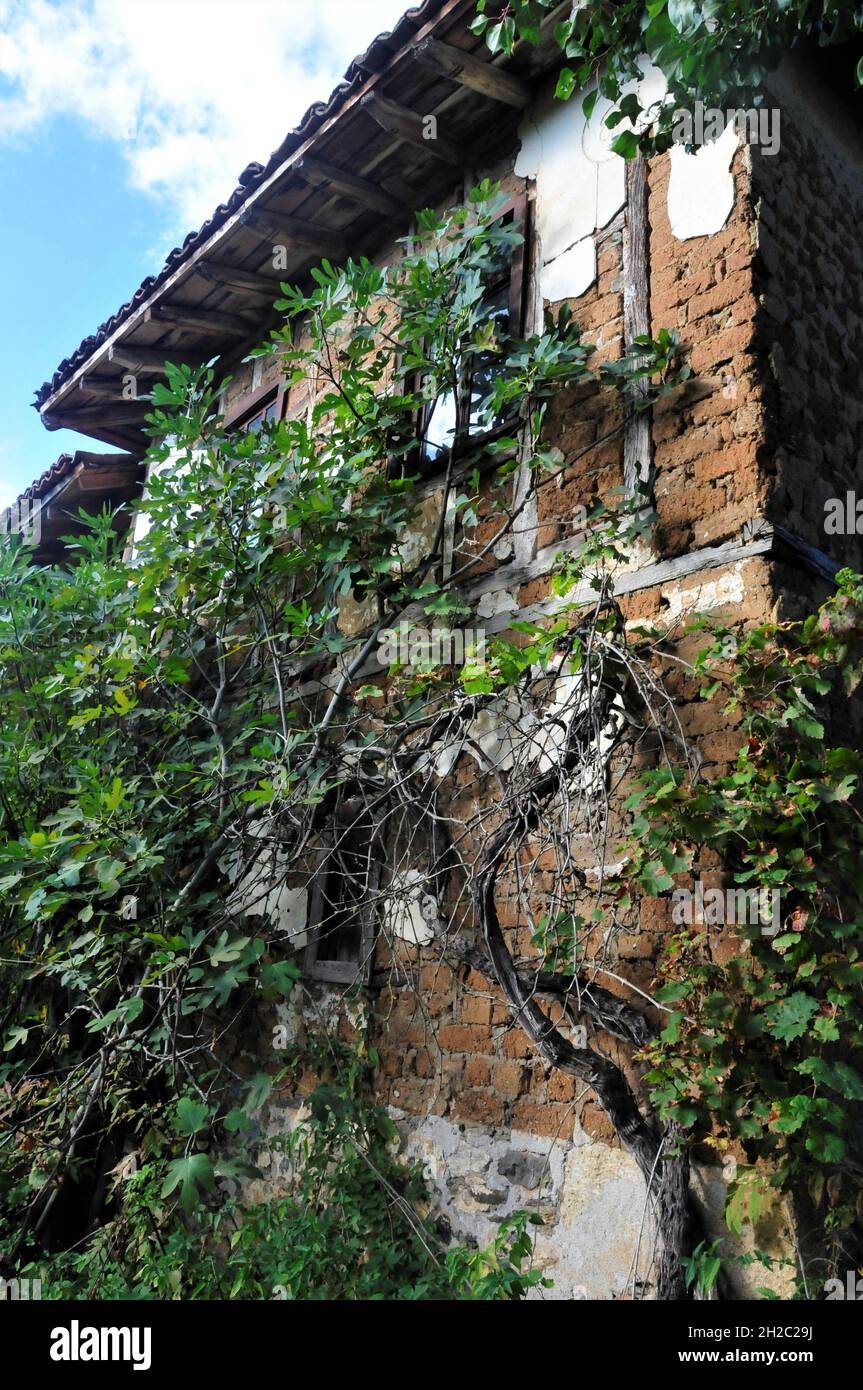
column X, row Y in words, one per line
column 520, row 204
column 340, row 972
column 253, row 403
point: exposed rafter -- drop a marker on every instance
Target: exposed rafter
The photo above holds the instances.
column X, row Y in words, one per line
column 105, row 388
column 412, row 128
column 370, row 195
column 150, row 361
column 232, row 277
column 125, row 414
column 285, row 230
column 472, row 72
column 198, row 320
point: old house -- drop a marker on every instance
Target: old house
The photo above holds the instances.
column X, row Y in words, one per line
column 745, row 248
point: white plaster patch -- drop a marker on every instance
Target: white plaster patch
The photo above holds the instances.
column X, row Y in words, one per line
column 422, row 531
column 142, row 523
column 565, row 154
column 701, row 188
column 496, row 602
column 590, row 1197
column 506, row 731
column 580, row 181
column 284, row 906
column 571, row 273
column 409, row 911
column 714, row 593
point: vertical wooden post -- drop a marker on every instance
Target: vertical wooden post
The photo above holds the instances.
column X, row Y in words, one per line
column 638, row 444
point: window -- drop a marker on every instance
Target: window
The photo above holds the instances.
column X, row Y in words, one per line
column 341, row 909
column 504, row 301
column 255, row 408
column 267, row 412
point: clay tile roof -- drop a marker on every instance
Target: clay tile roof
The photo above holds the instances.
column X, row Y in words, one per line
column 373, row 60
column 65, row 464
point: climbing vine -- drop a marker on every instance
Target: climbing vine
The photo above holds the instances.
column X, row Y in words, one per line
column 191, row 734
column 718, row 52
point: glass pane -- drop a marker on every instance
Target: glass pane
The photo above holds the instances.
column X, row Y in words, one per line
column 485, row 366
column 440, row 426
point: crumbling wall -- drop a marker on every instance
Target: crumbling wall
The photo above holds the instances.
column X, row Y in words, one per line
column 498, row 1130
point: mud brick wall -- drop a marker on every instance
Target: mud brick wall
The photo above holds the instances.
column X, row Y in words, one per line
column 709, row 438
column 497, row 1129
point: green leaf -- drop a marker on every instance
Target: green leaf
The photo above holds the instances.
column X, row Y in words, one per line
column 191, row 1115
column 189, row 1173
column 566, row 84
column 654, row 879
column 14, row 1037
column 280, row 976
column 625, row 143
column 789, row 1018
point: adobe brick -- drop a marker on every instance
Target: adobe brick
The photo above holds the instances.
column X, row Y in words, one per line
column 477, row 1106
column 508, row 1078
column 477, row 1071
column 552, row 1120
column 464, row 1037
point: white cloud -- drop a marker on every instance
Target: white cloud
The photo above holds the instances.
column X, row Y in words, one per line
column 191, row 90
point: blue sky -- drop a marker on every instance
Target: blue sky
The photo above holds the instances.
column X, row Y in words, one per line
column 122, row 124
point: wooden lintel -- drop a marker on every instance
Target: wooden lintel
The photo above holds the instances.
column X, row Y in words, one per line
column 322, row 175
column 284, row 230
column 198, row 320
column 232, row 277
column 150, row 361
column 412, row 128
column 472, row 72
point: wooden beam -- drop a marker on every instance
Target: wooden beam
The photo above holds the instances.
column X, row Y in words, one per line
column 412, row 128
column 90, row 480
column 86, row 456
column 285, row 230
column 472, row 72
column 198, row 320
column 637, row 439
column 322, row 175
column 104, row 388
column 150, row 361
column 232, row 277
column 123, row 413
